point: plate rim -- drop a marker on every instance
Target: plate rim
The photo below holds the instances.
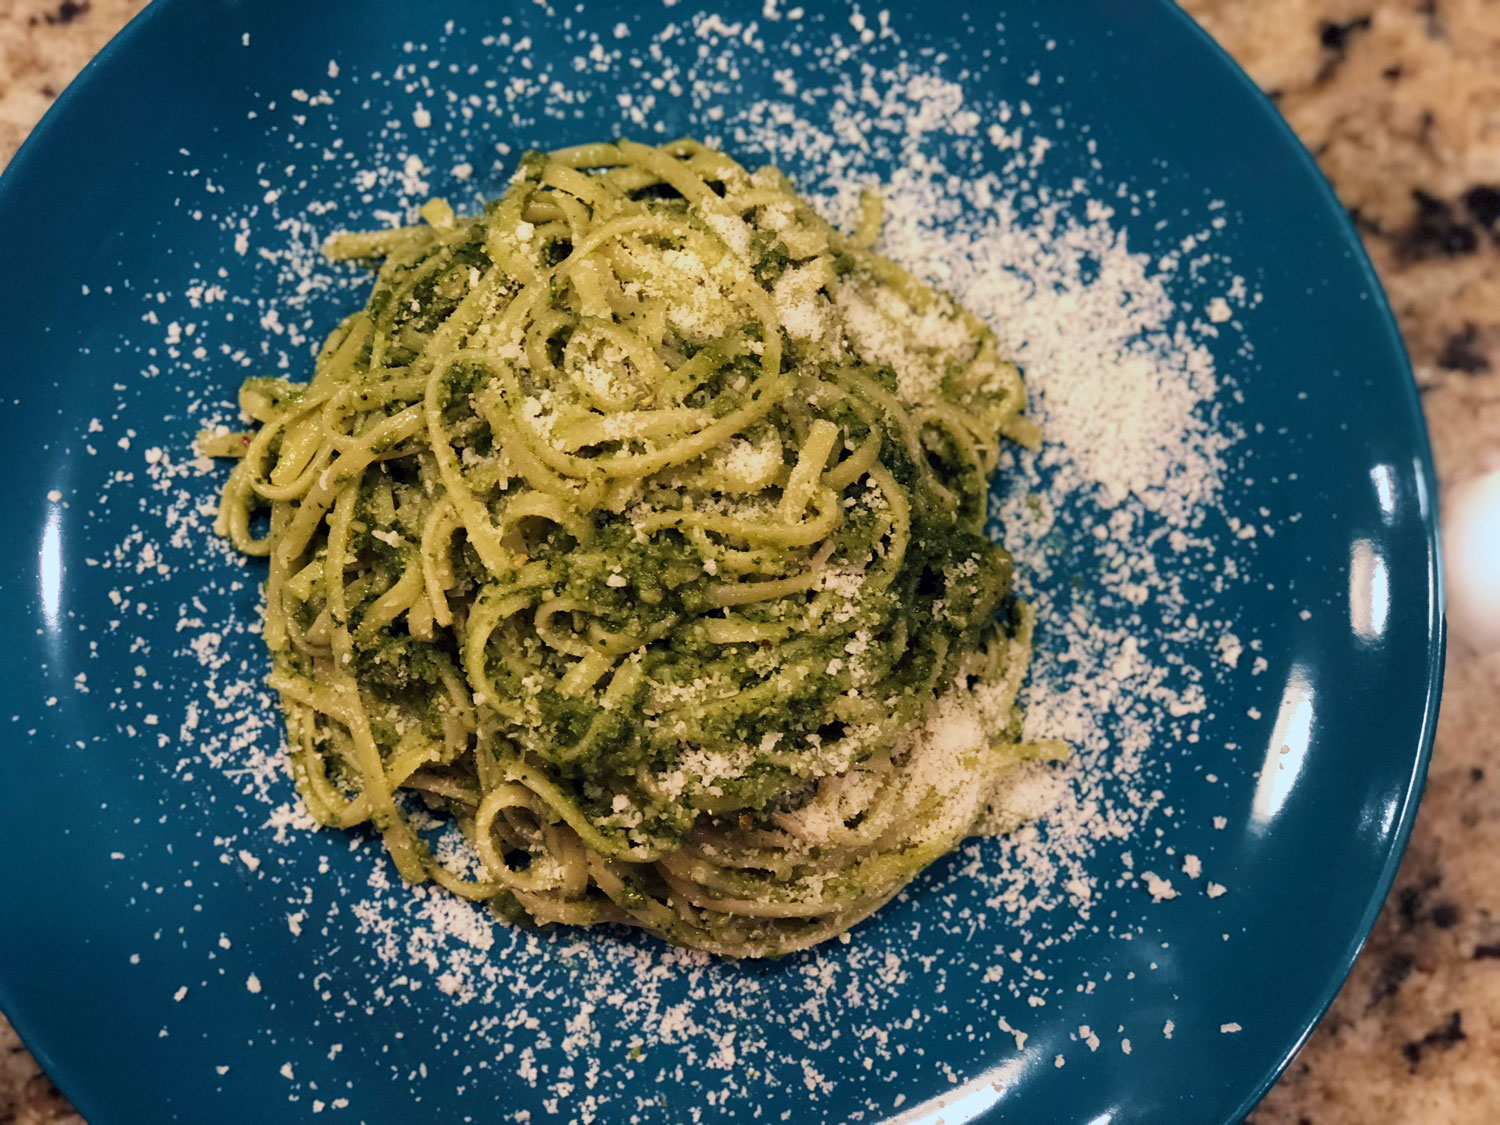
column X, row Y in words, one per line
column 1400, row 834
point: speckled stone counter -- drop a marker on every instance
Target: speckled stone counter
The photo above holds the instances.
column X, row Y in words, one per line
column 1400, row 102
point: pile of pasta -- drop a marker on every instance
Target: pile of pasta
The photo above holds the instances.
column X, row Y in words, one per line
column 636, row 528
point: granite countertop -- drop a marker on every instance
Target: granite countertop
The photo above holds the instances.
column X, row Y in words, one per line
column 1400, row 102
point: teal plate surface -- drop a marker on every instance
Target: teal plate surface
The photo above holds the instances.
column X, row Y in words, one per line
column 174, row 950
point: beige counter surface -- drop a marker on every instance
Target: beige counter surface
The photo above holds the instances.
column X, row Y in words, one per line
column 1400, row 102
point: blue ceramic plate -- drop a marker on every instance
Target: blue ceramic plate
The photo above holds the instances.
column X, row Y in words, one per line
column 175, row 946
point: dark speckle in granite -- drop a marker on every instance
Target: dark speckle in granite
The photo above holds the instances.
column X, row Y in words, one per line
column 1429, row 9
column 1483, row 203
column 1487, row 953
column 1411, row 900
column 1462, row 353
column 67, row 12
column 1442, row 1038
column 1436, row 231
column 1445, row 915
column 1393, row 973
column 1335, row 36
